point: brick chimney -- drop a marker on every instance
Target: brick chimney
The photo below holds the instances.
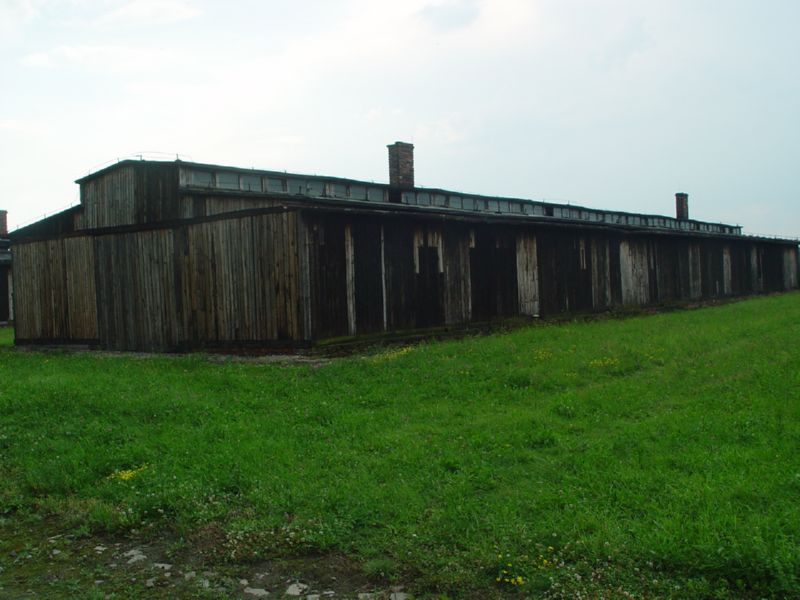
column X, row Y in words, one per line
column 681, row 206
column 401, row 164
column 3, row 223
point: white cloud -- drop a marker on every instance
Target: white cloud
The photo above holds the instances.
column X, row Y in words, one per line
column 109, row 59
column 148, row 12
column 16, row 14
column 23, row 127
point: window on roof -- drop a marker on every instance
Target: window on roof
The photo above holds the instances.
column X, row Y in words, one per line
column 296, row 186
column 276, row 185
column 251, row 183
column 375, row 195
column 454, row 202
column 423, row 198
column 315, row 188
column 469, row 204
column 201, row 179
column 358, row 192
column 228, row 181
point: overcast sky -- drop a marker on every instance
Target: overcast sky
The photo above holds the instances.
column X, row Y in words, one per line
column 612, row 104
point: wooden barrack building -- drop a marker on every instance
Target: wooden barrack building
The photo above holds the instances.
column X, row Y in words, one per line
column 177, row 256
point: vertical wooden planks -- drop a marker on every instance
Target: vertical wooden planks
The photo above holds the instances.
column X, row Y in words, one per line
column 726, row 270
column 790, row 266
column 304, row 266
column 601, row 273
column 457, row 277
column 383, row 281
column 367, row 276
column 350, row 278
column 527, row 275
column 634, row 270
column 81, row 292
column 108, row 199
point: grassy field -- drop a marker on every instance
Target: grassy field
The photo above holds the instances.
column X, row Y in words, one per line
column 656, row 455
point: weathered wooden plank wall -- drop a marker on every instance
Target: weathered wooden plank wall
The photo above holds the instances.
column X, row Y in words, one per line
column 204, row 284
column 790, row 266
column 5, row 296
column 54, row 293
column 527, row 275
column 109, row 200
column 294, row 276
column 455, row 250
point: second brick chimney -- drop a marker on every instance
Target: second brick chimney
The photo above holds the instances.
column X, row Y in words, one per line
column 681, row 206
column 3, row 223
column 401, row 165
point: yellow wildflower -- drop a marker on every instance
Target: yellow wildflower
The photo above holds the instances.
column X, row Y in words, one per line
column 127, row 474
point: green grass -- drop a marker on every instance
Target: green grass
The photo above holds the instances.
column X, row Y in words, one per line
column 656, row 454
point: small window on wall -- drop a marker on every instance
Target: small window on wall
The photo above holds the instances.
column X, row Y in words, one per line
column 548, row 211
column 251, row 183
column 276, row 185
column 296, row 186
column 228, row 181
column 455, row 202
column 358, row 192
column 201, row 179
column 423, row 198
column 469, row 204
column 315, row 188
column 375, row 195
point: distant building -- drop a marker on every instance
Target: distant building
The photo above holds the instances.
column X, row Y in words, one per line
column 6, row 306
column 177, row 255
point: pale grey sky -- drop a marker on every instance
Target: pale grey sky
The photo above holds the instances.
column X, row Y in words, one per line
column 606, row 103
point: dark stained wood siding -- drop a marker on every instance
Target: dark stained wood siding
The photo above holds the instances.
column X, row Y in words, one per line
column 279, row 276
column 109, row 199
column 54, row 290
column 457, row 274
column 5, row 275
column 368, row 276
column 327, row 276
column 401, row 284
column 493, row 264
column 155, row 193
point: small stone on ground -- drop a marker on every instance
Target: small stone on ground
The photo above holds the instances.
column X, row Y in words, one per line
column 296, row 589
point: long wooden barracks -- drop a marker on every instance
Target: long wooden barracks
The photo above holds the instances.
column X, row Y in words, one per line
column 179, row 255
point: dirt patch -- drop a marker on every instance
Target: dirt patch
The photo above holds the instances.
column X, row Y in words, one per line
column 37, row 560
